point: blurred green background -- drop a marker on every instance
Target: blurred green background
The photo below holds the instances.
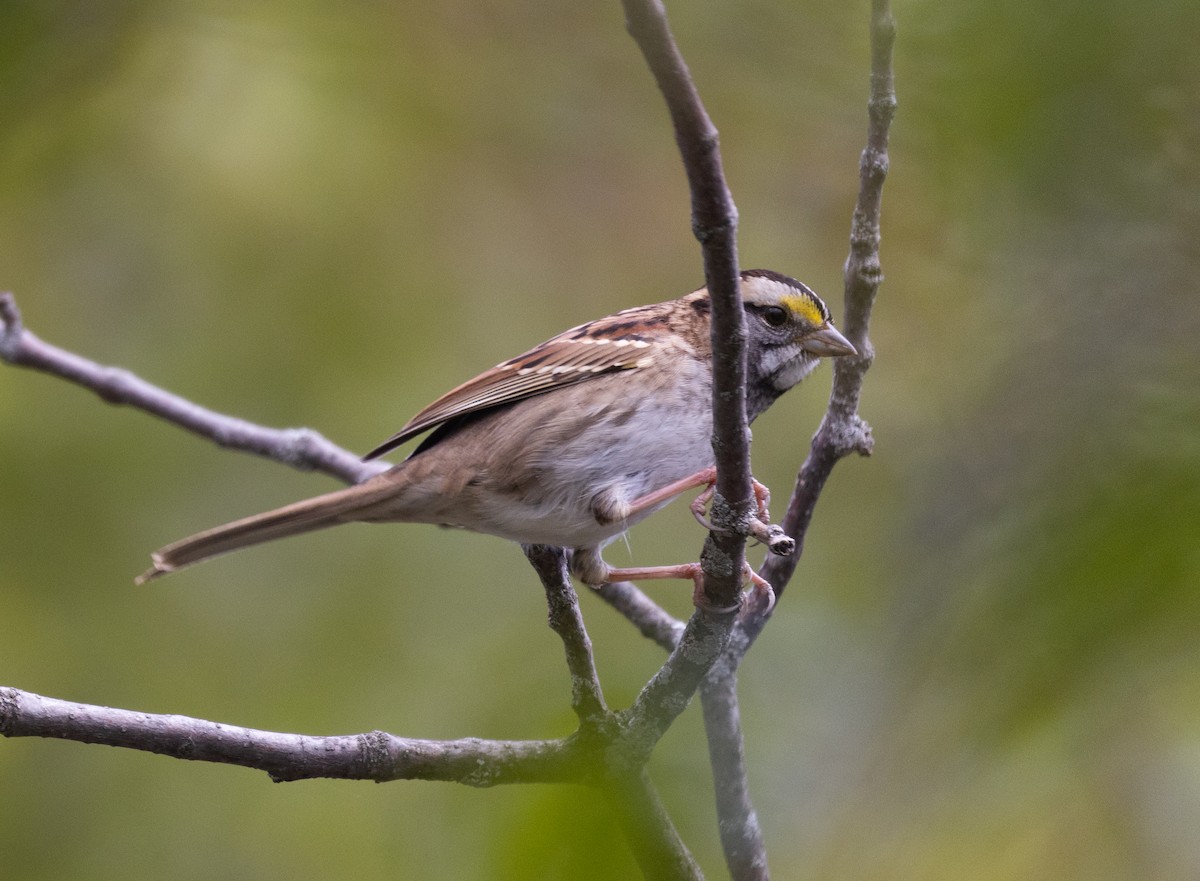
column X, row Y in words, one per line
column 327, row 214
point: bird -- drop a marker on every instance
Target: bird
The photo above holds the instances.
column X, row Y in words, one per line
column 572, row 442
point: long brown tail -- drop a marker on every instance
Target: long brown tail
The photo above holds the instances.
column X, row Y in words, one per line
column 300, row 517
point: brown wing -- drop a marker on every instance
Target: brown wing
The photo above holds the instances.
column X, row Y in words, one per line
column 570, row 357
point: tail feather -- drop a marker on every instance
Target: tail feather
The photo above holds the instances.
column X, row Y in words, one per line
column 295, row 519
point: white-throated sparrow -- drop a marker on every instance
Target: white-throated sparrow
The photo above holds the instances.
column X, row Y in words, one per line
column 572, row 442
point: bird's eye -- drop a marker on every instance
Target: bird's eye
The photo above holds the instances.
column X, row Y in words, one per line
column 775, row 316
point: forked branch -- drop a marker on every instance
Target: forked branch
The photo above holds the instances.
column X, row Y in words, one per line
column 842, row 432
column 610, row 748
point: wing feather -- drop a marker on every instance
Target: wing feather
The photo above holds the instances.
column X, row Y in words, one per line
column 573, row 356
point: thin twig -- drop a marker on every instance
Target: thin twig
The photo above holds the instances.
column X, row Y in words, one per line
column 741, row 834
column 374, row 755
column 841, row 433
column 714, row 222
column 842, row 430
column 565, row 619
column 301, row 448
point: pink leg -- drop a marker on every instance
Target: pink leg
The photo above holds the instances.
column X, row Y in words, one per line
column 763, row 594
column 706, row 477
column 762, row 496
column 591, row 569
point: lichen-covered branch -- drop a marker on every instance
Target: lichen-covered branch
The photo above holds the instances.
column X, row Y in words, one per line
column 374, row 755
column 565, row 619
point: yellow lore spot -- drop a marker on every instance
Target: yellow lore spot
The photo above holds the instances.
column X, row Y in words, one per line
column 804, row 307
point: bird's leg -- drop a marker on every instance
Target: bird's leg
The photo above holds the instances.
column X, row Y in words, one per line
column 759, row 527
column 706, row 477
column 682, row 571
column 592, row 570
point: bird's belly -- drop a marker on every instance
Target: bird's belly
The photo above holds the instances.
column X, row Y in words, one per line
column 566, row 475
column 577, row 486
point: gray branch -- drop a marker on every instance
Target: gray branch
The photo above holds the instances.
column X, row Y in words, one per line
column 741, row 834
column 656, row 845
column 714, row 222
column 610, row 749
column 374, row 755
column 842, row 432
column 301, row 448
column 566, row 619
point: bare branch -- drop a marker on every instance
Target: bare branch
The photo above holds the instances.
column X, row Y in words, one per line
column 842, row 430
column 374, row 755
column 587, row 697
column 610, row 750
column 741, row 835
column 301, row 448
column 714, row 222
column 841, row 433
column 669, row 691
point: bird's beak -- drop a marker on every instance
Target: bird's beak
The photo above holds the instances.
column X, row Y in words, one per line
column 827, row 343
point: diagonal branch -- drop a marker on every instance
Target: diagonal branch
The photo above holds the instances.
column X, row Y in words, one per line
column 301, row 448
column 669, row 691
column 656, row 845
column 842, row 430
column 566, row 619
column 841, row 433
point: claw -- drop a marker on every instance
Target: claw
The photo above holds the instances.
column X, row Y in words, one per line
column 758, row 527
column 762, row 594
column 700, row 601
column 762, row 495
column 700, row 504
